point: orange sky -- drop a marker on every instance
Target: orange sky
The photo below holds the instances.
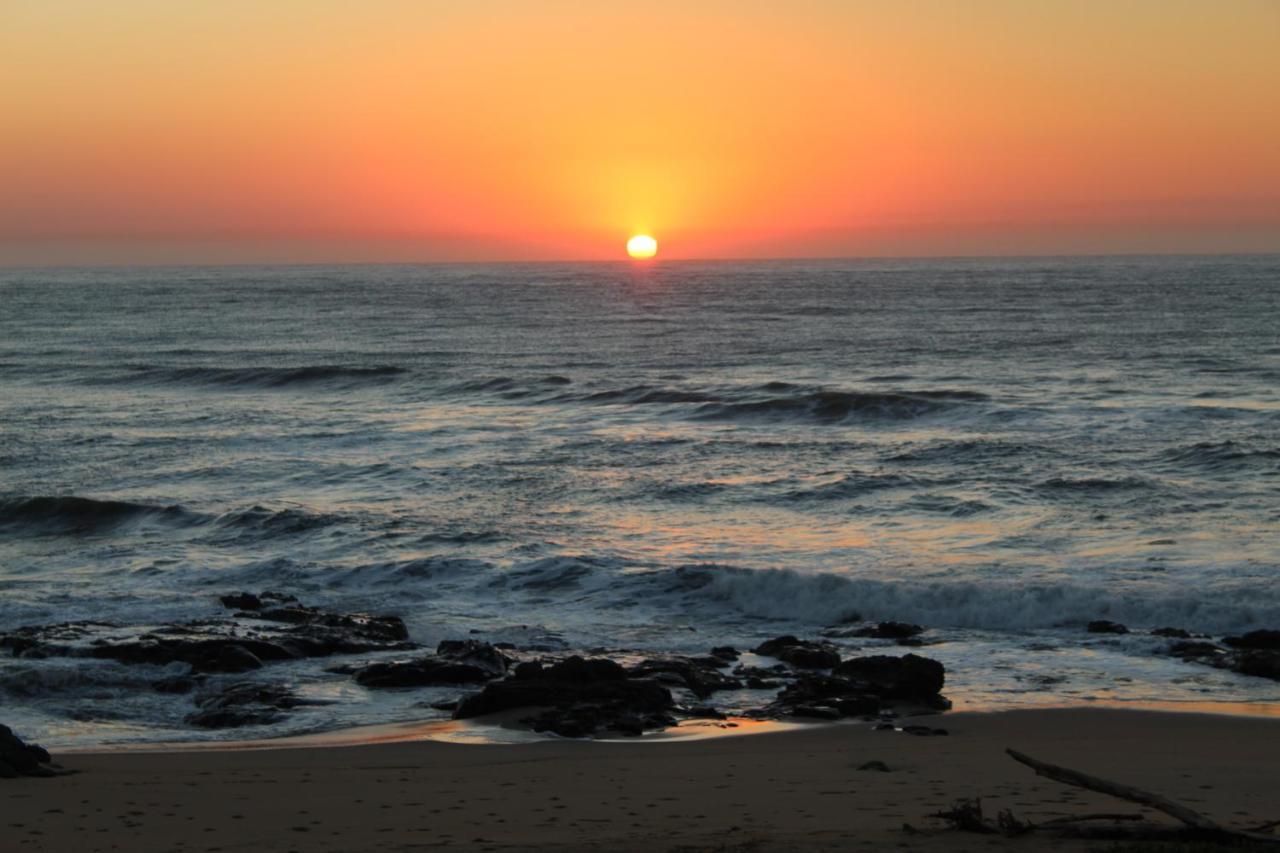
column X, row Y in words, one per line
column 320, row 130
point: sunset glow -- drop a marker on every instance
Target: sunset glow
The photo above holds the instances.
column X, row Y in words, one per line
column 642, row 246
column 398, row 130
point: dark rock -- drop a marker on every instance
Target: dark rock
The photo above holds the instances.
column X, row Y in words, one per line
column 849, row 697
column 1258, row 662
column 176, row 684
column 1173, row 633
column 240, row 644
column 423, row 672
column 388, row 629
column 475, row 653
column 756, row 683
column 584, row 720
column 582, row 697
column 231, row 657
column 876, row 766
column 804, row 654
column 910, row 677
column 244, row 704
column 241, row 601
column 24, row 759
column 725, row 653
column 1264, row 639
column 1196, row 650
column 924, row 731
column 700, row 677
column 889, row 631
column 1103, row 626
column 1263, row 663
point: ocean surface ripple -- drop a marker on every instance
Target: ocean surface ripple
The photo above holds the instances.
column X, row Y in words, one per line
column 666, row 457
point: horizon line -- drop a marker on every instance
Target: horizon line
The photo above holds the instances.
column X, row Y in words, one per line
column 629, row 261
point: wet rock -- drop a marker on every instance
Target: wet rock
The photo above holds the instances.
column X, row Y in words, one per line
column 910, row 677
column 587, row 719
column 423, row 672
column 1257, row 662
column 846, row 697
column 475, row 653
column 232, row 645
column 582, row 696
column 1261, row 663
column 1103, row 626
column 701, row 677
column 874, row 766
column 725, row 653
column 244, row 704
column 924, row 731
column 241, row 601
column 1264, row 639
column 387, row 629
column 1172, row 633
column 803, row 654
column 250, row 601
column 889, row 631
column 176, row 684
column 24, row 759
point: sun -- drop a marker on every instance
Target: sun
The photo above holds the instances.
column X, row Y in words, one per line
column 642, row 246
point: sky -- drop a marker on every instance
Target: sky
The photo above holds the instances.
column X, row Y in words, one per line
column 242, row 131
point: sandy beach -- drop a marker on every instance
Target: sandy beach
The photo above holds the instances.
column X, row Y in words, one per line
column 791, row 790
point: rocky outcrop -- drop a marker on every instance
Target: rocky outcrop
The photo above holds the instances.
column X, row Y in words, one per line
column 910, row 677
column 271, row 629
column 900, row 631
column 244, row 704
column 1103, row 626
column 700, row 676
column 804, row 654
column 1250, row 654
column 581, row 697
column 455, row 662
column 24, row 759
column 1264, row 639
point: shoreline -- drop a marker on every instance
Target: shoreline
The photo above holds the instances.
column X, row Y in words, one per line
column 801, row 789
column 504, row 730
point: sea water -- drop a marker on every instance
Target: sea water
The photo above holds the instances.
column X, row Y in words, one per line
column 635, row 458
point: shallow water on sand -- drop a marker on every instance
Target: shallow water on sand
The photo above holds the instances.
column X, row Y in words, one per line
column 638, row 458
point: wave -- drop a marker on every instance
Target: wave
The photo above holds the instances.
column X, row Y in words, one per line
column 825, row 599
column 1086, row 485
column 970, row 451
column 267, row 378
column 830, row 407
column 74, row 515
column 852, row 485
column 769, row 401
column 260, row 522
column 509, row 387
column 1223, row 456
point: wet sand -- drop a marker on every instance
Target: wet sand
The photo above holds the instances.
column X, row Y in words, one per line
column 790, row 790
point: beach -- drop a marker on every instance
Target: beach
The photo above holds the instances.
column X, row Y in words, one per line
column 790, row 790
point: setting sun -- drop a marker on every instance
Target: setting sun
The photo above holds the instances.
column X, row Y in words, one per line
column 642, row 246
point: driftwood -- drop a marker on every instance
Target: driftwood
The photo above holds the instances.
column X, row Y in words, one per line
column 966, row 815
column 1125, row 792
column 1201, row 825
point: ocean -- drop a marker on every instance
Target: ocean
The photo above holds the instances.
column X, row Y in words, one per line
column 637, row 458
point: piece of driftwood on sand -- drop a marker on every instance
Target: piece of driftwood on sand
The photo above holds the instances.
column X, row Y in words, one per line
column 967, row 815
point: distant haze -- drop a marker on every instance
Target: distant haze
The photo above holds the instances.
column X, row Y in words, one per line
column 139, row 131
